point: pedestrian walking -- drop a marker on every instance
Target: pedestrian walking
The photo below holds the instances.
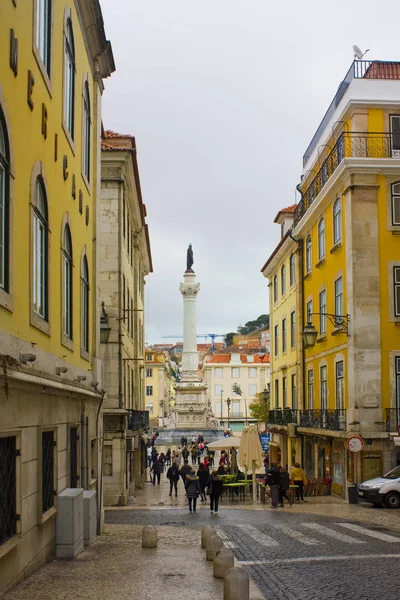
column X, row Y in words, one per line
column 156, row 470
column 206, row 462
column 161, row 458
column 198, row 456
column 274, row 480
column 168, row 457
column 193, row 490
column 299, row 479
column 184, row 471
column 284, row 486
column 183, row 441
column 215, row 488
column 211, row 455
column 200, row 439
column 149, row 454
column 173, row 476
column 185, row 453
column 204, row 478
column 193, row 453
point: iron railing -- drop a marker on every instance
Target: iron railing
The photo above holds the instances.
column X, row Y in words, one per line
column 8, row 482
column 392, row 419
column 47, row 470
column 325, row 418
column 279, row 416
column 137, row 419
column 359, row 69
column 348, row 145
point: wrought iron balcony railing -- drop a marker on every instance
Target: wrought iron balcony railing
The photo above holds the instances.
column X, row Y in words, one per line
column 349, row 145
column 279, row 416
column 137, row 419
column 331, row 419
column 392, row 419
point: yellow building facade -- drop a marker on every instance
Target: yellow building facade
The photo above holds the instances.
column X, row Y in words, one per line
column 282, row 271
column 54, row 56
column 347, row 225
column 159, row 386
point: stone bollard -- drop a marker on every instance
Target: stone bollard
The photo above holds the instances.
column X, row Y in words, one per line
column 214, row 545
column 236, row 585
column 224, row 561
column 149, row 537
column 206, row 533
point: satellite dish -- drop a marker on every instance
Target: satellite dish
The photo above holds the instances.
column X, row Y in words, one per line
column 358, row 53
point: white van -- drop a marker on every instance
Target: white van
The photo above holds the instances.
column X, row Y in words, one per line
column 382, row 490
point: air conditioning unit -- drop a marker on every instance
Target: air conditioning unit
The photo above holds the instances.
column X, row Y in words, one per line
column 291, row 428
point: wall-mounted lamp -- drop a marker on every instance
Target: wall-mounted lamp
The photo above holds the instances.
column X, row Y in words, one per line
column 340, row 323
column 104, row 326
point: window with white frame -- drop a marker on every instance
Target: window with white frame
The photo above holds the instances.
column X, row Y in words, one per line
column 43, row 31
column 235, row 409
column 339, row 385
column 337, row 221
column 310, row 389
column 283, row 280
column 218, row 389
column 276, row 389
column 323, row 376
column 252, row 389
column 322, row 310
column 283, row 335
column 275, row 285
column 4, row 203
column 293, row 329
column 339, row 301
column 321, row 239
column 218, row 372
column 308, row 254
column 276, row 340
column 149, row 372
column 252, row 372
column 86, row 131
column 40, row 251
column 396, row 203
column 69, row 78
column 85, row 305
column 396, row 290
column 149, row 390
column 235, row 372
column 294, row 391
column 284, row 392
column 67, row 282
column 149, row 358
column 291, row 270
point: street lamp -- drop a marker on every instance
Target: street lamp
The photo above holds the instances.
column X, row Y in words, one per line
column 340, row 323
column 238, row 391
column 265, row 396
column 104, row 326
column 228, row 403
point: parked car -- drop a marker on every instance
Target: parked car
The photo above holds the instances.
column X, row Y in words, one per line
column 382, row 490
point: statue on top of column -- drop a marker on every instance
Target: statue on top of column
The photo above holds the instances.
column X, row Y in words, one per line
column 189, row 259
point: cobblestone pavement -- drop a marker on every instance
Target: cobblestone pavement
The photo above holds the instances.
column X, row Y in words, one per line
column 324, row 549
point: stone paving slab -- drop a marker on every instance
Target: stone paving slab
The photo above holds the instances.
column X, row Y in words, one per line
column 117, row 568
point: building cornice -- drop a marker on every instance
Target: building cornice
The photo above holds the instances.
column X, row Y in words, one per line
column 277, row 255
column 99, row 47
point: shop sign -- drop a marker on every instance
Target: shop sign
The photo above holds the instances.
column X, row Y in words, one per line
column 265, row 439
column 355, row 443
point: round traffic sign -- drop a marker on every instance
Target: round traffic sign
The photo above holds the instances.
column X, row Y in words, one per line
column 355, row 443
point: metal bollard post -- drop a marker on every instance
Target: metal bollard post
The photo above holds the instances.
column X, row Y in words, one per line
column 149, row 537
column 236, row 585
column 224, row 561
column 214, row 545
column 206, row 533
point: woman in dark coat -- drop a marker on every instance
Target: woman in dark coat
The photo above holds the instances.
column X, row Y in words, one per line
column 204, row 478
column 284, row 486
column 193, row 490
column 216, row 487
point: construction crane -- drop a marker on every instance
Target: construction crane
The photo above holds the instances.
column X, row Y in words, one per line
column 202, row 335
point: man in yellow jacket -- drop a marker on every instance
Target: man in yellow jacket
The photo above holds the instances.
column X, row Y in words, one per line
column 299, row 478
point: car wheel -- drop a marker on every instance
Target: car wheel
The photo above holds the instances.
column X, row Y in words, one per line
column 392, row 500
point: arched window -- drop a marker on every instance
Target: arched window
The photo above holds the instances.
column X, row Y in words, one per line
column 67, row 283
column 308, row 254
column 86, row 131
column 321, row 239
column 396, row 203
column 40, row 250
column 4, row 202
column 85, row 305
column 337, row 221
column 69, row 78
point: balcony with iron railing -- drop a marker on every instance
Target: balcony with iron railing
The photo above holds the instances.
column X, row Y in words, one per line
column 349, row 144
column 392, row 420
column 137, row 419
column 279, row 416
column 325, row 418
column 359, row 69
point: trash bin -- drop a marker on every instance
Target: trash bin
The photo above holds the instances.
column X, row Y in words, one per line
column 352, row 491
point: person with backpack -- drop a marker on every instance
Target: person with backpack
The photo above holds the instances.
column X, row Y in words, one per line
column 173, row 476
column 185, row 453
column 215, row 488
column 193, row 490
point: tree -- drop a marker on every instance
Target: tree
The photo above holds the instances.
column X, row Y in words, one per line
column 258, row 410
column 229, row 338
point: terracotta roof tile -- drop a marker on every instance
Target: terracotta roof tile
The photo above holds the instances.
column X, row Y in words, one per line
column 110, row 148
column 108, row 133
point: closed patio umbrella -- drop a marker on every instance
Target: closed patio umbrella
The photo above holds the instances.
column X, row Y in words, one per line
column 225, row 443
column 250, row 452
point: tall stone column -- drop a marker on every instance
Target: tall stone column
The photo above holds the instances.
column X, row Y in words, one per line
column 190, row 357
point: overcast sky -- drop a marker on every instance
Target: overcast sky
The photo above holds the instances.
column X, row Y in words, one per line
column 223, row 97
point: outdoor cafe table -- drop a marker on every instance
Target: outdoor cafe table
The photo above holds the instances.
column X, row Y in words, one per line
column 263, row 495
column 239, row 486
